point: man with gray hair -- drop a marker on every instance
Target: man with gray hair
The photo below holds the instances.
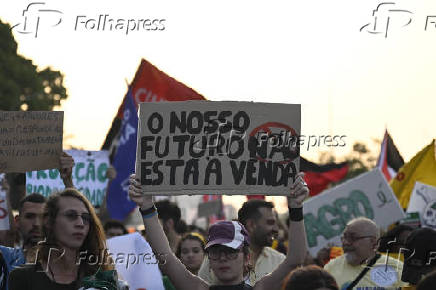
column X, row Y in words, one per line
column 361, row 267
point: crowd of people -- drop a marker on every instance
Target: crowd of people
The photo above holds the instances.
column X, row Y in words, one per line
column 246, row 253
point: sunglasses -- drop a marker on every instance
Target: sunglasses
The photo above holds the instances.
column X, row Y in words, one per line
column 215, row 253
column 72, row 216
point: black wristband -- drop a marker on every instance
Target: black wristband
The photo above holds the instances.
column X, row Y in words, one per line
column 296, row 214
column 148, row 211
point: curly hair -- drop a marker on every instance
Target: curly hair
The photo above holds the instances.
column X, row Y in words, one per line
column 94, row 244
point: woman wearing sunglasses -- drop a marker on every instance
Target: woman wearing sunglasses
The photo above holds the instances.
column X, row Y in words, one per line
column 74, row 246
column 227, row 246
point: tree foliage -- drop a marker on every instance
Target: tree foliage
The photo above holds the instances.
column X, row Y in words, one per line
column 22, row 85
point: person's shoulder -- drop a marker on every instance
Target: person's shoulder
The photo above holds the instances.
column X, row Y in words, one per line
column 270, row 252
column 391, row 261
column 12, row 255
column 8, row 250
column 23, row 271
column 334, row 262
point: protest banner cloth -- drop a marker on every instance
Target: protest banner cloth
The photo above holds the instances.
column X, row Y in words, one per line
column 423, row 201
column 367, row 195
column 30, row 140
column 149, row 85
column 4, row 214
column 422, row 168
column 203, row 147
column 89, row 176
column 135, row 262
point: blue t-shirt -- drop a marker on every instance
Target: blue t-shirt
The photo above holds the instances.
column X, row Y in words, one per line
column 13, row 257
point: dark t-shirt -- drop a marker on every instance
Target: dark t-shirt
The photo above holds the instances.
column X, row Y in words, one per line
column 241, row 286
column 29, row 277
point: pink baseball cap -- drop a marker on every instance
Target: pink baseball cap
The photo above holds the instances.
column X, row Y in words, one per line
column 231, row 234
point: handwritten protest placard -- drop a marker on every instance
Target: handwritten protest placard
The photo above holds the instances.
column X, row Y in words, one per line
column 89, row 176
column 203, row 147
column 367, row 195
column 4, row 214
column 30, row 140
column 423, row 201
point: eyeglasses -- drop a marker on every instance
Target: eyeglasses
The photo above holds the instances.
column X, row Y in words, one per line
column 215, row 253
column 72, row 216
column 352, row 238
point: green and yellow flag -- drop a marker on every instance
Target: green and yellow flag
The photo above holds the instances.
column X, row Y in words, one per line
column 421, row 168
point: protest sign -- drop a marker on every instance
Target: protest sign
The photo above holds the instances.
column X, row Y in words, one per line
column 89, row 176
column 4, row 214
column 135, row 262
column 30, row 140
column 203, row 147
column 423, row 200
column 367, row 195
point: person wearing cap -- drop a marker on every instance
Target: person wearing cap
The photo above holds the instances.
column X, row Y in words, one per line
column 361, row 267
column 419, row 255
column 227, row 246
column 259, row 219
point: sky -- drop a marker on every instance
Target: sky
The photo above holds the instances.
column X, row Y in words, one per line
column 354, row 74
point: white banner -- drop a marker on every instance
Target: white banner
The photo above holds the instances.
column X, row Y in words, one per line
column 204, row 147
column 423, row 201
column 367, row 195
column 89, row 176
column 135, row 261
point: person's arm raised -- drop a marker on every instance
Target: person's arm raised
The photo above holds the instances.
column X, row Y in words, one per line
column 169, row 264
column 66, row 164
column 297, row 245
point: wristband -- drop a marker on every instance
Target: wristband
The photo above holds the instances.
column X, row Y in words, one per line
column 149, row 212
column 296, row 214
column 149, row 215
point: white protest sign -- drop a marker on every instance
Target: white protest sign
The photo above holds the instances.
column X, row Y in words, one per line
column 4, row 214
column 367, row 195
column 135, row 261
column 89, row 176
column 30, row 140
column 204, row 147
column 423, row 200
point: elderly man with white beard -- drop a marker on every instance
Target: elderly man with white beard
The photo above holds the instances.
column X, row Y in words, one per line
column 361, row 267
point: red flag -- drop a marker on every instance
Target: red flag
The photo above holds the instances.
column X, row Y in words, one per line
column 390, row 160
column 318, row 177
column 151, row 85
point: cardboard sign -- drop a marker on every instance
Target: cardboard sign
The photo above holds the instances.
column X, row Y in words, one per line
column 30, row 140
column 203, row 147
column 367, row 195
column 423, row 200
column 4, row 214
column 89, row 176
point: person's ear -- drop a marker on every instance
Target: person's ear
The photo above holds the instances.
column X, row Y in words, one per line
column 169, row 223
column 17, row 220
column 250, row 225
column 375, row 243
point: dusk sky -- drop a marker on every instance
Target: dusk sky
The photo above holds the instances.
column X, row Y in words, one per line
column 353, row 77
